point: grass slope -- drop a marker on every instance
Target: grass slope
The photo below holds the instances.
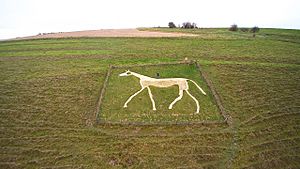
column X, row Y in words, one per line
column 49, row 89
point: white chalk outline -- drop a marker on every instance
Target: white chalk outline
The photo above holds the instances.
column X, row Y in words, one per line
column 146, row 81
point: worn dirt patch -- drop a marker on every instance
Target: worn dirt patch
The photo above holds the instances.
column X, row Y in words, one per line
column 108, row 33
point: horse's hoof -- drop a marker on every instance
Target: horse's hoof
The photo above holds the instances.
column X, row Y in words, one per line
column 170, row 108
column 125, row 106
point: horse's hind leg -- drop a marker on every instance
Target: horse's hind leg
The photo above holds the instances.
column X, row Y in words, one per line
column 177, row 99
column 131, row 97
column 198, row 107
column 151, row 97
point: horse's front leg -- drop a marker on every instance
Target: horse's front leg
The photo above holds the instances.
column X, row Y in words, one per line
column 131, row 97
column 151, row 97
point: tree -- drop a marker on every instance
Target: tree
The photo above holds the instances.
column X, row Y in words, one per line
column 172, row 25
column 194, row 25
column 254, row 30
column 187, row 25
column 233, row 27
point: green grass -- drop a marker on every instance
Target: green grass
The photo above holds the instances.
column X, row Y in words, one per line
column 49, row 91
column 139, row 110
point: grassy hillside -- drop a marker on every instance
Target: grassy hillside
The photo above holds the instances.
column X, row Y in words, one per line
column 49, row 91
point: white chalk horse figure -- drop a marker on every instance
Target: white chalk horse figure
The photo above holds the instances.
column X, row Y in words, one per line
column 146, row 81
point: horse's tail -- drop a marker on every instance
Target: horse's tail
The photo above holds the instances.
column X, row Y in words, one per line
column 197, row 86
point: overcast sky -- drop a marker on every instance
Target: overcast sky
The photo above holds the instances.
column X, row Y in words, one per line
column 29, row 17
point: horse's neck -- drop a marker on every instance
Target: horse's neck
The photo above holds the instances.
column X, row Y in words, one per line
column 140, row 76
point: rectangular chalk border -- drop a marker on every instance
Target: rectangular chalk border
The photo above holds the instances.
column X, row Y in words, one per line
column 226, row 116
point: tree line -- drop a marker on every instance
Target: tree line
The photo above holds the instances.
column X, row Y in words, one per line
column 234, row 27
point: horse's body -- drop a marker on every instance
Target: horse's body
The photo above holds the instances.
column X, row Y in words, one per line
column 167, row 82
column 146, row 81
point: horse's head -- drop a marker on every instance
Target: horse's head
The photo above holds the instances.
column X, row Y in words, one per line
column 126, row 73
